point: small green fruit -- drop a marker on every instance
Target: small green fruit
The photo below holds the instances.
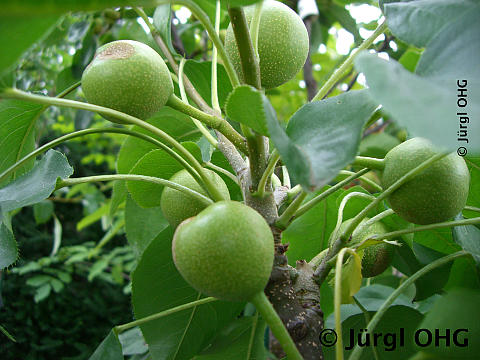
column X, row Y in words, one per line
column 177, row 206
column 376, row 258
column 128, row 76
column 226, row 251
column 437, row 194
column 282, row 44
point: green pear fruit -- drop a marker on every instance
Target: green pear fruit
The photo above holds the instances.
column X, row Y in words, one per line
column 376, row 258
column 226, row 251
column 437, row 194
column 282, row 44
column 178, row 206
column 128, row 76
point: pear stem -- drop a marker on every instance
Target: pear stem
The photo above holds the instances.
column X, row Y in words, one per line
column 265, row 308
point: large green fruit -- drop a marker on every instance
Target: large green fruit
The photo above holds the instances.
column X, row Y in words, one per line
column 282, row 44
column 128, row 76
column 226, row 251
column 437, row 194
column 178, row 206
column 376, row 258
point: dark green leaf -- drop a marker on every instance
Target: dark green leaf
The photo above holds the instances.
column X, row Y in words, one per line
column 246, row 106
column 157, row 286
column 37, row 184
column 109, row 349
column 322, row 137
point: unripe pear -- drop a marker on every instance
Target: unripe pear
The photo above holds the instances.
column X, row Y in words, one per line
column 226, row 251
column 178, row 206
column 128, row 76
column 282, row 44
column 376, row 258
column 437, row 194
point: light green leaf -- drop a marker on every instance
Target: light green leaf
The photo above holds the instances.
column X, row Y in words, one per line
column 42, row 211
column 93, row 217
column 119, row 194
column 37, row 184
column 157, row 286
column 160, row 164
column 322, row 137
column 457, row 310
column 8, row 246
column 142, row 225
column 17, row 130
column 174, row 123
column 162, row 18
column 425, row 107
column 42, row 292
column 246, row 106
column 240, row 340
column 18, row 34
column 109, row 349
column 468, row 237
column 417, row 22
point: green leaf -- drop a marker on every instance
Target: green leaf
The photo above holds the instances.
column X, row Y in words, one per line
column 162, row 18
column 142, row 225
column 246, row 106
column 468, row 237
column 424, row 106
column 43, row 211
column 240, row 340
column 160, row 164
column 109, row 349
column 343, row 16
column 409, row 261
column 417, row 22
column 388, row 346
column 322, row 137
column 308, row 235
column 119, row 194
column 456, row 310
column 459, row 41
column 18, row 34
column 132, row 342
column 377, row 145
column 8, row 246
column 200, row 74
column 7, row 334
column 17, row 133
column 173, row 122
column 37, row 184
column 42, row 292
column 474, row 192
column 93, row 217
column 157, row 286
